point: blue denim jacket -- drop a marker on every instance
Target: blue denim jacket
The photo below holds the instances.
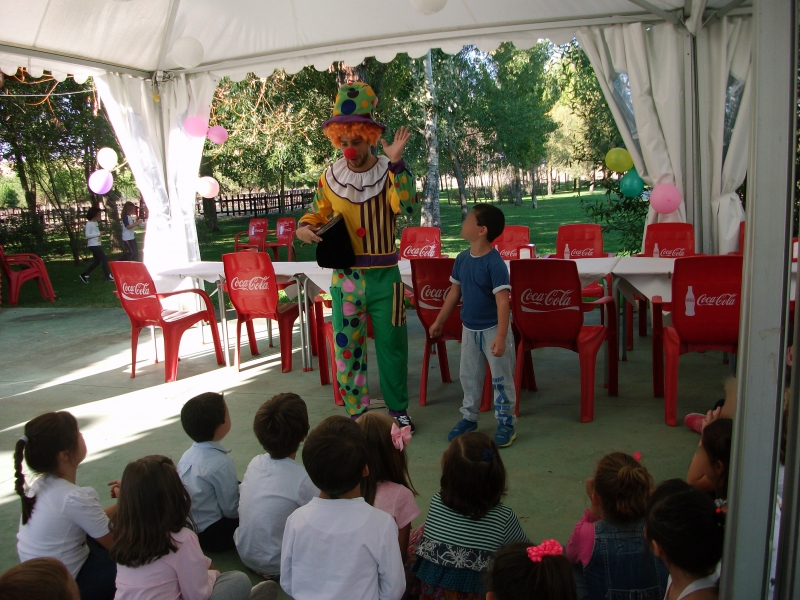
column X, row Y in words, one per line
column 622, row 566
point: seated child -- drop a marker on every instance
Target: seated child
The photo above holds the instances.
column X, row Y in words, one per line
column 524, row 572
column 709, row 468
column 209, row 473
column 158, row 555
column 466, row 522
column 338, row 546
column 686, row 531
column 59, row 519
column 723, row 409
column 388, row 485
column 38, row 579
column 481, row 277
column 607, row 545
column 274, row 485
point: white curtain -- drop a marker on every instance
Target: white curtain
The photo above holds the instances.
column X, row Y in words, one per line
column 723, row 79
column 148, row 131
column 640, row 70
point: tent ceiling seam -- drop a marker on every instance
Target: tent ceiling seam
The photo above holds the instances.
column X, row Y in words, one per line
column 41, row 23
column 173, row 13
column 720, row 13
column 75, row 60
column 668, row 16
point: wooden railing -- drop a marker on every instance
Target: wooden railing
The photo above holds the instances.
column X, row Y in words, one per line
column 259, row 203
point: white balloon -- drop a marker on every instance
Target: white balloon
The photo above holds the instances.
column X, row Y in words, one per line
column 187, row 52
column 107, row 158
column 428, row 7
column 207, row 187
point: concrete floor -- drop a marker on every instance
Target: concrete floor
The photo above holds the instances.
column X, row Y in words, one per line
column 79, row 360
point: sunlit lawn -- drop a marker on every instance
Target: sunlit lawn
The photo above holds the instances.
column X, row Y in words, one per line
column 552, row 211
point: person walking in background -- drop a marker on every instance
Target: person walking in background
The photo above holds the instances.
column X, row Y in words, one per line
column 92, row 233
column 130, row 220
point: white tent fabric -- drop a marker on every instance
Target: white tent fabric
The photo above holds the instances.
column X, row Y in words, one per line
column 723, row 66
column 652, row 60
column 170, row 235
column 240, row 36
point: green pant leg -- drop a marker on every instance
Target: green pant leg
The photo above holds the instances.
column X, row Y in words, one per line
column 348, row 294
column 385, row 304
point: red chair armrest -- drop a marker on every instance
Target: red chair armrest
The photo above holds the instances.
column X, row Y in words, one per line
column 206, row 298
column 236, row 237
column 659, row 304
column 590, row 306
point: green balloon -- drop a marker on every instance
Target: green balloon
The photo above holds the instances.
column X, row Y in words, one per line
column 631, row 185
column 619, row 160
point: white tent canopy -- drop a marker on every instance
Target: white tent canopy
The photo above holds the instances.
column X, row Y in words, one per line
column 127, row 45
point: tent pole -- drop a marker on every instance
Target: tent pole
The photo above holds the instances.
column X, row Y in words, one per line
column 691, row 183
column 764, row 303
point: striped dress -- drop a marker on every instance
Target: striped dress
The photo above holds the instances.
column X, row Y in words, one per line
column 455, row 550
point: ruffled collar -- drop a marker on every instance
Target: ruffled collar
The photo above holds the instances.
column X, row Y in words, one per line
column 357, row 187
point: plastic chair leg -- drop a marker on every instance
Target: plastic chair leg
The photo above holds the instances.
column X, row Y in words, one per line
column 643, row 318
column 172, row 342
column 239, row 344
column 629, row 325
column 588, row 359
column 672, row 358
column 322, row 356
column 518, row 372
column 423, row 377
column 328, row 331
column 285, row 325
column 528, row 375
column 251, row 337
column 444, row 365
column 134, row 346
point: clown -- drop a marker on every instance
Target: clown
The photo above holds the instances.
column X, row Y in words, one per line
column 369, row 192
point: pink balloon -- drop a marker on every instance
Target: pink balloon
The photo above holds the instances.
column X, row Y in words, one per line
column 218, row 134
column 207, row 187
column 195, row 126
column 665, row 198
column 100, row 181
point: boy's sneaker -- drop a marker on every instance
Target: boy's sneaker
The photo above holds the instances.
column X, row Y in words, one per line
column 84, row 278
column 266, row 590
column 110, row 278
column 694, row 421
column 504, row 436
column 403, row 419
column 462, row 427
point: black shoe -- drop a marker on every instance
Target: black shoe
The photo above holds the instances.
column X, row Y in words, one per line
column 84, row 278
column 404, row 420
column 110, row 278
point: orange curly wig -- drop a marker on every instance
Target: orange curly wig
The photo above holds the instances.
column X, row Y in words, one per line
column 368, row 132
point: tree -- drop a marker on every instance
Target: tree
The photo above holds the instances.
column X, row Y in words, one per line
column 430, row 216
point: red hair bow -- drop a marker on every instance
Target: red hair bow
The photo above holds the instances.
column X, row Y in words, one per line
column 546, row 548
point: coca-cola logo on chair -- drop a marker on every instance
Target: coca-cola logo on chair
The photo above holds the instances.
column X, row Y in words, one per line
column 707, row 300
column 672, row 253
column 548, row 301
column 136, row 291
column 584, row 253
column 250, row 285
column 507, row 253
column 427, row 251
column 432, row 297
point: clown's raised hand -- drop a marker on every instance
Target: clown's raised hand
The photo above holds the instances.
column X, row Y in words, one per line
column 394, row 152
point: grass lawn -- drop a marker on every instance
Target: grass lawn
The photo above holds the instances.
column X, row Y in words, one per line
column 558, row 209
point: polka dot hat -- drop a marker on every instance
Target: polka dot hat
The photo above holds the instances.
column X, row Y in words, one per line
column 355, row 103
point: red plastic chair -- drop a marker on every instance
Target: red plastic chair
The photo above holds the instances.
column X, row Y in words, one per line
column 705, row 319
column 420, row 242
column 547, row 308
column 666, row 240
column 250, row 280
column 19, row 268
column 285, row 235
column 256, row 236
column 510, row 240
column 142, row 304
column 583, row 240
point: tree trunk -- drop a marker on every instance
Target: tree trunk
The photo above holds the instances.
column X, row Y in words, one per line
column 594, row 178
column 462, row 191
column 549, row 182
column 29, row 187
column 430, row 196
column 282, row 197
column 534, row 181
column 112, row 210
column 517, row 187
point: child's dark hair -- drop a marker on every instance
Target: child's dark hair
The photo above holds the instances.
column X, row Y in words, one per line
column 473, row 476
column 128, row 206
column 623, row 486
column 38, row 579
column 687, row 526
column 512, row 575
column 490, row 217
column 716, row 441
column 45, row 437
column 201, row 416
column 92, row 212
column 280, row 424
column 386, row 463
column 334, row 455
column 153, row 504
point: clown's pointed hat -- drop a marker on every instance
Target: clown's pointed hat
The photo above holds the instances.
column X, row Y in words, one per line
column 355, row 103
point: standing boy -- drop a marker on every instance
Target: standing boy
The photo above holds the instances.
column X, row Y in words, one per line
column 480, row 276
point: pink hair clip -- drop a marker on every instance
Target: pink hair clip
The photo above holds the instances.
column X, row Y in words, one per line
column 637, row 456
column 401, row 436
column 546, row 548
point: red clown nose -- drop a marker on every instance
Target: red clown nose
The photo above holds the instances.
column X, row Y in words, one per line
column 350, row 153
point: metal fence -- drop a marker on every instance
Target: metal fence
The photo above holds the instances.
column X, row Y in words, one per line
column 48, row 217
column 259, row 203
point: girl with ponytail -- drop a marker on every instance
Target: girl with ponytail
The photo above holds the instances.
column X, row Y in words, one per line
column 607, row 545
column 686, row 529
column 59, row 519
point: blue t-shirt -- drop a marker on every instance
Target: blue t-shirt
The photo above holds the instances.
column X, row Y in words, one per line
column 480, row 278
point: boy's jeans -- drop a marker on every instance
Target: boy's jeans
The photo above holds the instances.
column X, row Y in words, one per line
column 475, row 351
